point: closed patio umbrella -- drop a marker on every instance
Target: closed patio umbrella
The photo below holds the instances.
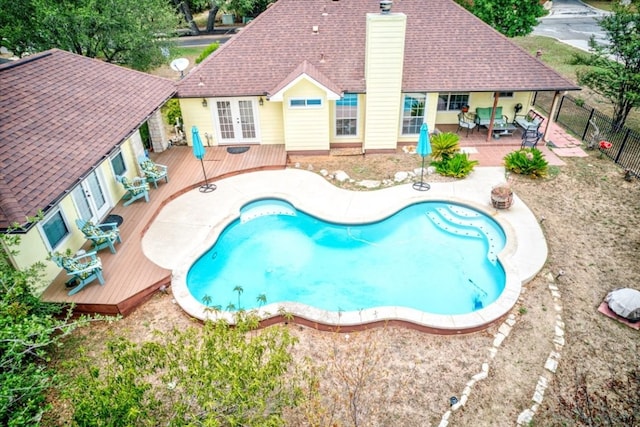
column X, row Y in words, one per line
column 198, row 151
column 423, row 149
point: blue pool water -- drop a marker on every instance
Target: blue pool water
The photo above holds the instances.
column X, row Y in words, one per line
column 433, row 256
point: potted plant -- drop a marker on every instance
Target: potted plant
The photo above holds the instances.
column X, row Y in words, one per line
column 502, row 196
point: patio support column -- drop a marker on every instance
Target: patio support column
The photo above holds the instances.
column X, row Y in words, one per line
column 158, row 136
column 552, row 113
column 496, row 97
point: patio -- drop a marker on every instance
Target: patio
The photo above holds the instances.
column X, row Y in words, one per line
column 130, row 277
column 129, row 274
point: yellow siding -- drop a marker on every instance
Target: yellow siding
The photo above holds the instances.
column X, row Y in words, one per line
column 383, row 71
column 270, row 119
column 194, row 113
column 306, row 128
column 33, row 248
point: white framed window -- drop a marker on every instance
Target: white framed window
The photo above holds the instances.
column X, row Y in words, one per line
column 347, row 115
column 504, row 95
column 55, row 229
column 413, row 112
column 118, row 164
column 452, row 101
column 305, row 102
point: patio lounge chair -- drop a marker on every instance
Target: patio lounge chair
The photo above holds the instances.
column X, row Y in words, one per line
column 530, row 138
column 465, row 122
column 83, row 269
column 153, row 172
column 101, row 236
column 136, row 189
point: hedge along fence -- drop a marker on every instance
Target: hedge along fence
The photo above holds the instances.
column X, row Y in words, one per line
column 592, row 126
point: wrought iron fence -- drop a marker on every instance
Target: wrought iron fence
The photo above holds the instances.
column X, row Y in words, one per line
column 592, row 126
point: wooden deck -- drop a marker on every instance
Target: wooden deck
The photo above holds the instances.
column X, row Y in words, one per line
column 130, row 277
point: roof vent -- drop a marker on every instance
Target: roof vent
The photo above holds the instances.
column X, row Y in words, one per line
column 314, row 29
column 385, row 6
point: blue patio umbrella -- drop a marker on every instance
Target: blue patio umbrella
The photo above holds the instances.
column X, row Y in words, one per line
column 423, row 149
column 198, row 151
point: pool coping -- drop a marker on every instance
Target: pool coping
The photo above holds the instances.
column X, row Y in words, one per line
column 191, row 224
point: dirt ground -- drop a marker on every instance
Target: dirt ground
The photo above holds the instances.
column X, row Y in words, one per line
column 589, row 214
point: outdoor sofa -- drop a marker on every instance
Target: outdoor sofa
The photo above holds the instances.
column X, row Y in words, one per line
column 529, row 121
column 483, row 116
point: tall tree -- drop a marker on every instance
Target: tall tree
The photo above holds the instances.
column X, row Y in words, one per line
column 120, row 31
column 614, row 70
column 511, row 17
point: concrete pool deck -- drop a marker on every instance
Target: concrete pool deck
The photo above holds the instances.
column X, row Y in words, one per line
column 189, row 225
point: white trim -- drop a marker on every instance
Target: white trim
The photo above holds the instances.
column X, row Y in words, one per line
column 234, row 105
column 124, row 161
column 357, row 118
column 49, row 216
column 306, row 103
column 279, row 95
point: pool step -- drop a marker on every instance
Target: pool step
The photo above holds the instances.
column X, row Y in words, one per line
column 251, row 212
column 465, row 222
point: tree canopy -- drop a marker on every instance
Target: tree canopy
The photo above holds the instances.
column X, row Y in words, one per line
column 614, row 67
column 128, row 32
column 513, row 18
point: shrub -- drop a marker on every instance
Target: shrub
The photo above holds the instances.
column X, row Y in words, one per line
column 444, row 145
column 215, row 375
column 29, row 330
column 207, row 51
column 172, row 111
column 458, row 166
column 527, row 161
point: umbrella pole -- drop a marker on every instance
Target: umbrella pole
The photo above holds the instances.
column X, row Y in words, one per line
column 421, row 186
column 206, row 188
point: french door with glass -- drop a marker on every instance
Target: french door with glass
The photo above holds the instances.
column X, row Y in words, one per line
column 90, row 198
column 237, row 122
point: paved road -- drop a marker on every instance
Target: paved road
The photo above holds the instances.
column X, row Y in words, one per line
column 571, row 22
column 221, row 35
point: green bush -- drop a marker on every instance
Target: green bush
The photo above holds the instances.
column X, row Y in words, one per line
column 444, row 145
column 29, row 330
column 527, row 161
column 172, row 111
column 214, row 375
column 458, row 166
column 207, row 51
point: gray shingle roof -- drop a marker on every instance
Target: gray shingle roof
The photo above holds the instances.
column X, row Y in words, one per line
column 61, row 114
column 446, row 49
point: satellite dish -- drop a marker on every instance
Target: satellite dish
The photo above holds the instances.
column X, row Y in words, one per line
column 179, row 64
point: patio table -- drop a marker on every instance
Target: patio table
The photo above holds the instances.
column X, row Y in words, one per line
column 503, row 129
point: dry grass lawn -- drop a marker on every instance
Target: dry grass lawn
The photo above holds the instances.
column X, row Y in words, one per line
column 589, row 214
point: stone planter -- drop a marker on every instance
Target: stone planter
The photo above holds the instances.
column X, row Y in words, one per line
column 501, row 197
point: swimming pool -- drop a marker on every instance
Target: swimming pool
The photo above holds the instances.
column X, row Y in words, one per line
column 434, row 257
column 188, row 227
